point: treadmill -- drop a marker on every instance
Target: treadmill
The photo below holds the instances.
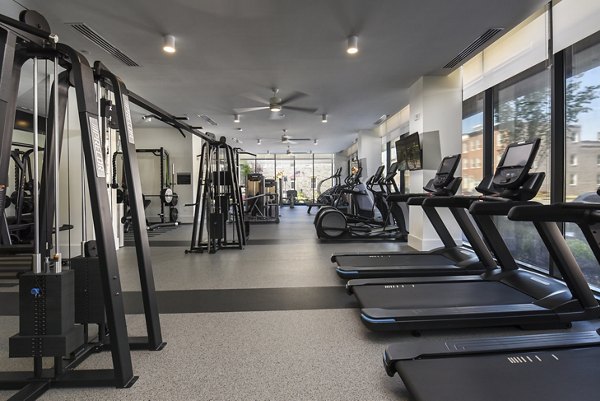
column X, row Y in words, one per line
column 451, row 259
column 509, row 296
column 539, row 367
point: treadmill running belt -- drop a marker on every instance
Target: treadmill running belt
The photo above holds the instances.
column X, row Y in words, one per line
column 558, row 375
column 439, row 295
column 393, row 260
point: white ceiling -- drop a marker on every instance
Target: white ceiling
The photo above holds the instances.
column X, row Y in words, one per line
column 229, row 48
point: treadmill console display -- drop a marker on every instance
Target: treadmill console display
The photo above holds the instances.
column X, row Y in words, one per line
column 392, row 171
column 446, row 171
column 515, row 164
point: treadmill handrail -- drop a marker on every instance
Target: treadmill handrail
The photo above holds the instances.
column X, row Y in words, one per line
column 462, row 201
column 499, row 208
column 566, row 212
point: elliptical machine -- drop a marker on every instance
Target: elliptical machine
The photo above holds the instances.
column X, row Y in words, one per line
column 332, row 223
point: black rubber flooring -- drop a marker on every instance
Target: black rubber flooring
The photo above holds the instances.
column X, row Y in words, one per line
column 228, row 300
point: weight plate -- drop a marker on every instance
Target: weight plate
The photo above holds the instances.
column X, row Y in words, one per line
column 166, row 196
column 174, row 215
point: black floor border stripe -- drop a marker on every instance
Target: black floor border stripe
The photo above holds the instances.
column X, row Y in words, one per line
column 167, row 243
column 226, row 300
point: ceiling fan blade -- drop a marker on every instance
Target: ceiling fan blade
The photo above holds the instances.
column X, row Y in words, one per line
column 275, row 115
column 249, row 109
column 293, row 96
column 256, row 98
column 302, row 109
column 302, row 139
column 291, row 142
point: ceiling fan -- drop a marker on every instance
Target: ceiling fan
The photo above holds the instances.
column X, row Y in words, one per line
column 289, row 140
column 289, row 151
column 276, row 104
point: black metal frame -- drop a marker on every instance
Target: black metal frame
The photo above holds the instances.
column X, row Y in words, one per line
column 209, row 210
column 134, row 186
column 17, row 46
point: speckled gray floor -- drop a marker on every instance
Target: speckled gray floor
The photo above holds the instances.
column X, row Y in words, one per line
column 286, row 355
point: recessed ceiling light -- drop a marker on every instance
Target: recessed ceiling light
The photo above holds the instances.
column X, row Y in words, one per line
column 169, row 44
column 352, row 44
column 323, row 118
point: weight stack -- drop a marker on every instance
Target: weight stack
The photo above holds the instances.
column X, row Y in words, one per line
column 216, row 223
column 46, row 316
column 89, row 298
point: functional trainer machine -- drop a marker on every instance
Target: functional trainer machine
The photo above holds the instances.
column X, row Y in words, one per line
column 46, row 308
column 57, row 305
column 218, row 201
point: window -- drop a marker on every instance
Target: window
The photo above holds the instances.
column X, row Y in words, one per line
column 573, row 160
column 478, row 163
column 303, row 178
column 265, row 164
column 472, row 132
column 572, row 134
column 573, row 179
column 323, row 168
column 522, row 112
column 583, row 119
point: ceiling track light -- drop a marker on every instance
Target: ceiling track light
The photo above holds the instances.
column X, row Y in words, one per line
column 258, row 141
column 316, row 142
column 169, row 44
column 236, row 118
column 323, row 118
column 352, row 44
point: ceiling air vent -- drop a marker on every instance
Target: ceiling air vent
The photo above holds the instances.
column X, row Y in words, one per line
column 476, row 44
column 103, row 43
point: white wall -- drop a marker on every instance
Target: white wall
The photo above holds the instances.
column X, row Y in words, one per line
column 435, row 105
column 369, row 148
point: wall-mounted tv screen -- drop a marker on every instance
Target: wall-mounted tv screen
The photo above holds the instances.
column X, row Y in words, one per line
column 408, row 150
column 401, row 156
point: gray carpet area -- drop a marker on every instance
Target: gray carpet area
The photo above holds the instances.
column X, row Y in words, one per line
column 271, row 322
